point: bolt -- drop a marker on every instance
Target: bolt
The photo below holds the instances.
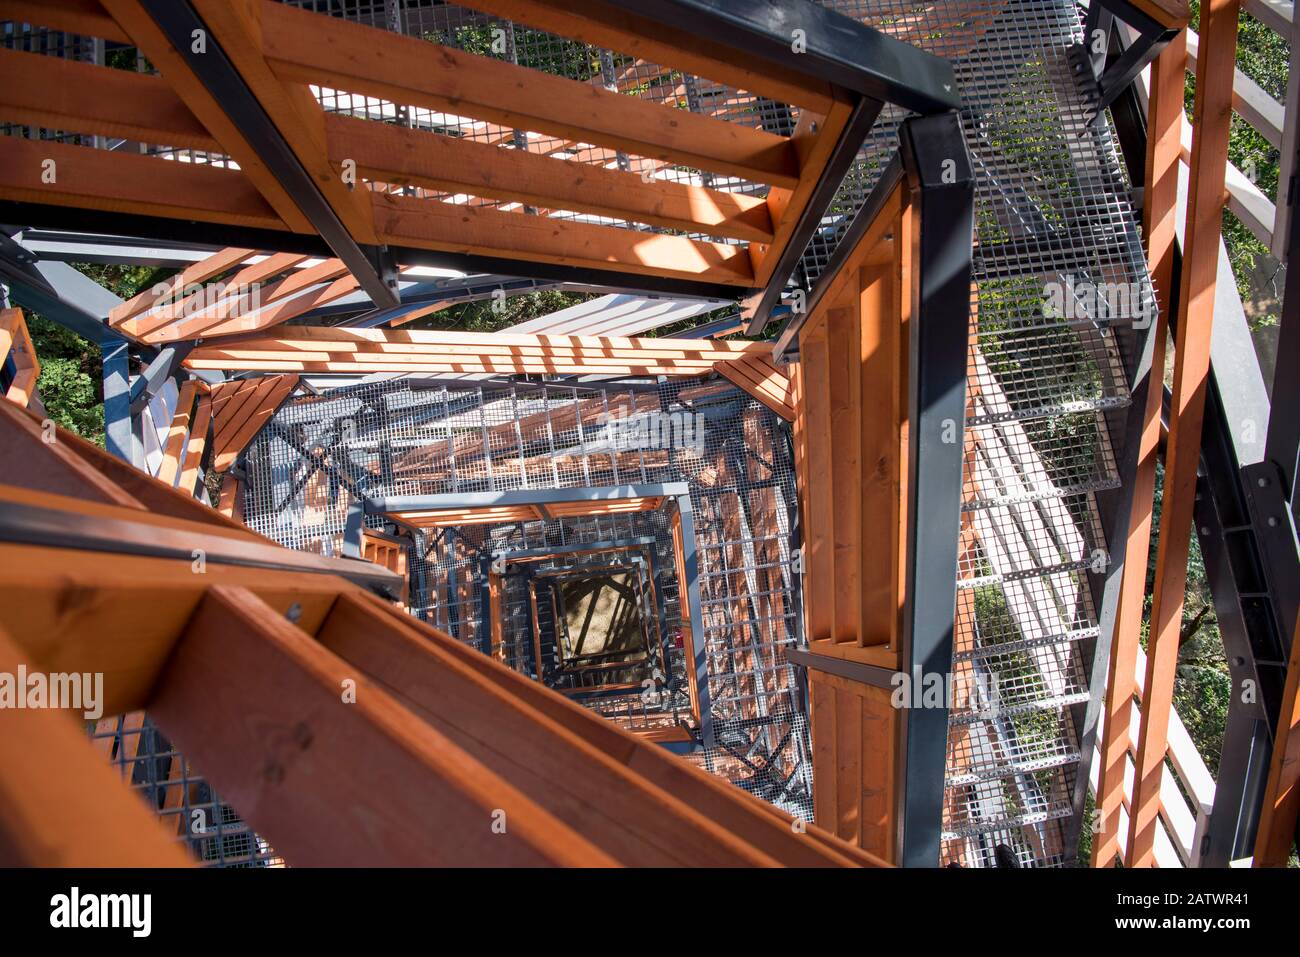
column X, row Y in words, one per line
column 1272, row 521
column 294, row 614
column 1263, row 483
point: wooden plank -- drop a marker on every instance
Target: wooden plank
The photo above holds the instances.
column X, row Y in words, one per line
column 68, row 95
column 844, row 481
column 481, row 230
column 250, row 310
column 231, row 441
column 230, row 501
column 61, row 804
column 605, row 26
column 246, row 292
column 174, row 447
column 248, row 395
column 369, row 773
column 30, row 460
column 140, row 488
column 174, row 289
column 87, row 178
column 60, row 603
column 314, row 349
column 1165, row 117
column 848, row 771
column 398, row 155
column 1281, row 809
column 475, row 343
column 194, row 446
column 818, row 543
column 855, row 743
column 82, row 17
column 763, row 381
column 311, row 48
column 1169, row 13
column 880, row 353
column 1213, row 115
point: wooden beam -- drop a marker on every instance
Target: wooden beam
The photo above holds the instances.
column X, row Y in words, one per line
column 322, row 350
column 763, row 381
column 82, row 17
column 141, row 30
column 311, row 48
column 61, row 804
column 480, row 230
column 194, row 447
column 139, row 487
column 814, row 140
column 395, row 154
column 57, row 94
column 606, row 26
column 1168, row 13
column 763, row 825
column 232, row 311
column 1159, row 214
column 1281, row 810
column 87, row 178
column 1211, row 127
column 29, row 459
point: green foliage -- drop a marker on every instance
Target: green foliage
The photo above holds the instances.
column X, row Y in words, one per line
column 71, row 385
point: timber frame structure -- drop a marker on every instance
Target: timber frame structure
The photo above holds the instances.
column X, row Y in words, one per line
column 663, row 576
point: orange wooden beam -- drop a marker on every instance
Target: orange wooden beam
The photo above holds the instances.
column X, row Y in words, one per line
column 1165, row 117
column 1210, row 131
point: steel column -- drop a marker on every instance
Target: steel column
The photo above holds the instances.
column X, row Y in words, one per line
column 941, row 181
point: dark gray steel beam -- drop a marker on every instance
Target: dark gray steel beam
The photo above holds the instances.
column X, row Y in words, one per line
column 162, row 368
column 941, row 181
column 833, row 48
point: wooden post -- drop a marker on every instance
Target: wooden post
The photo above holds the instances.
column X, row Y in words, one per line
column 1210, row 130
column 1164, row 126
